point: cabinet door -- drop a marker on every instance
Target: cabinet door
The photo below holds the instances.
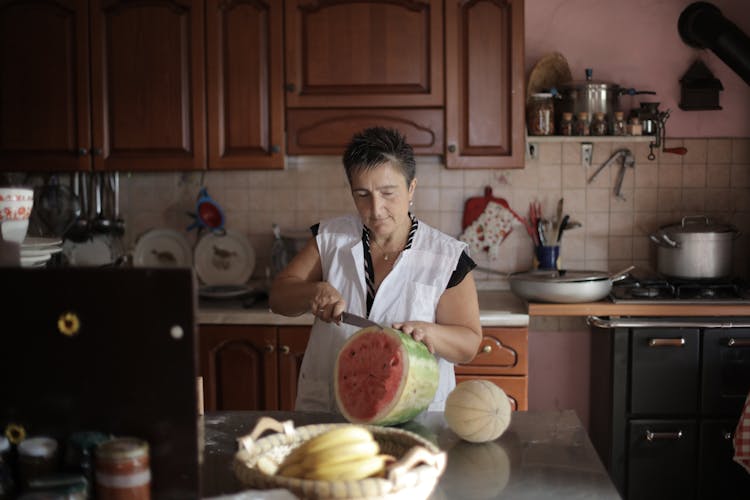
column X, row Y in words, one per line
column 516, row 388
column 662, row 462
column 244, row 64
column 503, row 351
column 720, row 475
column 239, row 367
column 44, row 86
column 484, row 84
column 292, row 344
column 726, row 371
column 364, row 53
column 147, row 76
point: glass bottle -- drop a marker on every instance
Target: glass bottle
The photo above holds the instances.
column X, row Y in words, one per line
column 618, row 127
column 540, row 114
column 598, row 124
column 581, row 125
column 566, row 124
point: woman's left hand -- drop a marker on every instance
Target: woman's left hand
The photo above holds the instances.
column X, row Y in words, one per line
column 419, row 331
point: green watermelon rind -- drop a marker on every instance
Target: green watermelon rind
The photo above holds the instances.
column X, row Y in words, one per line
column 422, row 376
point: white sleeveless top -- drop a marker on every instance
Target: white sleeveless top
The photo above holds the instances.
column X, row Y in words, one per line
column 410, row 292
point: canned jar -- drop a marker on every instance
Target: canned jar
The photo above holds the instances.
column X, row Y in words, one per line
column 122, row 470
column 540, row 114
column 581, row 125
column 566, row 124
column 37, row 457
column 618, row 127
column 598, row 124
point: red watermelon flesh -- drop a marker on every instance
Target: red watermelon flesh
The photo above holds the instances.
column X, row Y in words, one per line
column 384, row 377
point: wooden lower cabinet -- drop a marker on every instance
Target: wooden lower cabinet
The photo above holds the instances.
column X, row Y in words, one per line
column 502, row 358
column 250, row 367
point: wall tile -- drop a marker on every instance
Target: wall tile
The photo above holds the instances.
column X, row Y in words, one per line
column 573, row 176
column 670, row 175
column 718, row 175
column 741, row 150
column 697, row 150
column 597, row 200
column 693, row 201
column 694, row 175
column 550, row 176
column 620, row 248
column 740, row 176
column 550, row 153
column 646, row 175
column 719, row 150
column 621, row 224
column 718, row 200
column 668, row 199
column 645, row 200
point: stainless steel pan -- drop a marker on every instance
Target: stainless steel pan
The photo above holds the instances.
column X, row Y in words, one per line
column 564, row 286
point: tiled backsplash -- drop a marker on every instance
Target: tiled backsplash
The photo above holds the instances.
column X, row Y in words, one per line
column 713, row 178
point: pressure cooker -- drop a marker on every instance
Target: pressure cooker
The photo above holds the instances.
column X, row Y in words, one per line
column 592, row 97
column 695, row 248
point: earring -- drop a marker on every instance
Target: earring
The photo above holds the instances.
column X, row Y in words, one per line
column 411, row 203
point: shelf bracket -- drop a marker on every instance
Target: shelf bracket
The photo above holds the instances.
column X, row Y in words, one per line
column 587, row 153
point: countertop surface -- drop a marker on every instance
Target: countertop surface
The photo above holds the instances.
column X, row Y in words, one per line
column 497, row 307
column 541, row 455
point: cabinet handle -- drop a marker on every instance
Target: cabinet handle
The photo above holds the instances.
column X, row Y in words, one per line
column 96, row 152
column 269, row 348
column 290, row 87
column 487, row 349
column 666, row 342
column 275, row 148
column 83, row 152
column 652, row 436
column 284, row 349
column 727, row 436
column 451, row 148
column 738, row 342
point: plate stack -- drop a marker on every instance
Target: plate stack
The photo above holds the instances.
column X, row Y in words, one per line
column 35, row 252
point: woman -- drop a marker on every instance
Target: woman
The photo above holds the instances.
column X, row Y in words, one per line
column 383, row 264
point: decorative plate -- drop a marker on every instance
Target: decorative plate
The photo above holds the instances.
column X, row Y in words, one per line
column 35, row 243
column 96, row 251
column 36, row 261
column 223, row 291
column 162, row 248
column 227, row 259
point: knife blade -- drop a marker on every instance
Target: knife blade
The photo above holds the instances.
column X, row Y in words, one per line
column 353, row 319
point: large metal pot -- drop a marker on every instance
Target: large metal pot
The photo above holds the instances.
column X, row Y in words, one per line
column 564, row 286
column 592, row 97
column 696, row 248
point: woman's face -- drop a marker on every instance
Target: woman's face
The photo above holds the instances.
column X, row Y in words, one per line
column 382, row 198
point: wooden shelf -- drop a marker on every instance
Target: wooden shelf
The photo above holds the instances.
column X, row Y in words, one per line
column 592, row 139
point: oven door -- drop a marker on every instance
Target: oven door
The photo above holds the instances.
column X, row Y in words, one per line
column 726, row 371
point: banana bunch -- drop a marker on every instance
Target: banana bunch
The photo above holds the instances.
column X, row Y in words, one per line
column 346, row 453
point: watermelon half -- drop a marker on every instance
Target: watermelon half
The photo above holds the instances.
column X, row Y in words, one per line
column 384, row 377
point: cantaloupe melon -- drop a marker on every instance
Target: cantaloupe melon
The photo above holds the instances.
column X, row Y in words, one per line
column 477, row 411
column 384, row 377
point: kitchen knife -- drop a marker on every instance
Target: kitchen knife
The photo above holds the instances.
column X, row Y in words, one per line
column 353, row 319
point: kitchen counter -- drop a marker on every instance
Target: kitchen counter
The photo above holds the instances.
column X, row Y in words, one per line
column 496, row 308
column 542, row 455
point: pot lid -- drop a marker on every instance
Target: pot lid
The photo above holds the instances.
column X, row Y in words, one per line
column 588, row 83
column 699, row 224
column 561, row 276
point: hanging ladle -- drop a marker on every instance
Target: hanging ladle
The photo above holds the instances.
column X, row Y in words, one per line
column 101, row 223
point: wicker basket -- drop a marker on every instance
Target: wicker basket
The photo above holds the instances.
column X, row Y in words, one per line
column 414, row 475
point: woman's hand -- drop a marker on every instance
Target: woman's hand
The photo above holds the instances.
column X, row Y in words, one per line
column 327, row 303
column 419, row 331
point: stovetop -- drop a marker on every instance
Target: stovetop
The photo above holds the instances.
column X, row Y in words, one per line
column 645, row 287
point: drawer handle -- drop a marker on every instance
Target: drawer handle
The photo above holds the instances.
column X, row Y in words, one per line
column 652, row 436
column 487, row 349
column 269, row 348
column 284, row 349
column 738, row 342
column 727, row 436
column 666, row 342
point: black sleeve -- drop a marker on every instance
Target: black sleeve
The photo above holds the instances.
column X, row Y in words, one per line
column 314, row 229
column 465, row 264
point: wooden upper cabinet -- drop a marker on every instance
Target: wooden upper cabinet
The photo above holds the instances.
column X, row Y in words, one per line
column 245, row 71
column 44, row 86
column 360, row 53
column 148, row 92
column 484, row 105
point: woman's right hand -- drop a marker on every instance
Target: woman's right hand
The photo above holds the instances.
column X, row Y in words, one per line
column 327, row 303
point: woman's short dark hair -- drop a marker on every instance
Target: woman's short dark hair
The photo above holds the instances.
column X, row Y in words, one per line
column 377, row 145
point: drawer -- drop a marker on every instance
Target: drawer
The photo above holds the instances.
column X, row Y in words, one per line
column 503, row 351
column 721, row 476
column 662, row 461
column 664, row 371
column 516, row 388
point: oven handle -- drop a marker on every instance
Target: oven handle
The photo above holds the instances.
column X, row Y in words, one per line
column 656, row 323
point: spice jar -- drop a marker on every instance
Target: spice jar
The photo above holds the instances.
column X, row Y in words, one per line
column 618, row 127
column 122, row 470
column 566, row 124
column 581, row 125
column 598, row 124
column 635, row 127
column 540, row 114
column 37, row 457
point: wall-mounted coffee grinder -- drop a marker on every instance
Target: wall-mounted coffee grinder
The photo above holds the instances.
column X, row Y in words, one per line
column 654, row 123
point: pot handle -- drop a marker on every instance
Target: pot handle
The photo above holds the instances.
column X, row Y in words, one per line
column 688, row 218
column 634, row 92
column 663, row 240
column 621, row 275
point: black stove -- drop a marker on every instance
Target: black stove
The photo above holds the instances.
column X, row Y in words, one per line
column 643, row 287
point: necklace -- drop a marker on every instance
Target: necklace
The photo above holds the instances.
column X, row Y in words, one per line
column 385, row 254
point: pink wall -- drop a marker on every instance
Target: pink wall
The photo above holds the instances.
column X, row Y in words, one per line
column 635, row 43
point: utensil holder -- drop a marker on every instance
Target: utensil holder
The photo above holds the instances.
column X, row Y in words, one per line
column 547, row 257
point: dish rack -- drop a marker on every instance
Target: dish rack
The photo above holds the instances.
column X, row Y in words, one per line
column 419, row 463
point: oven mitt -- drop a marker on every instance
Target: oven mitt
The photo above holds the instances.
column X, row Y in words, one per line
column 489, row 230
column 742, row 437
